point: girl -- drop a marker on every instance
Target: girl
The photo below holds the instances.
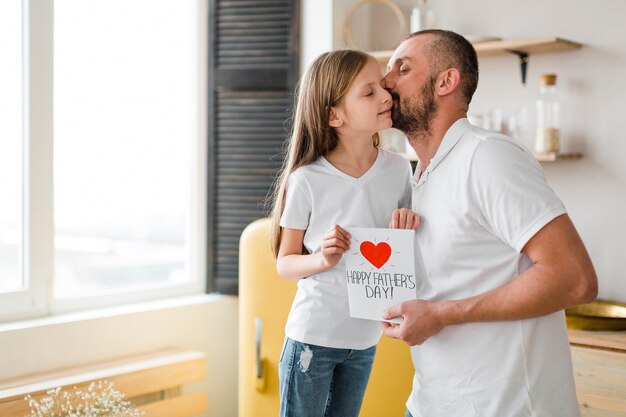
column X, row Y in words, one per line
column 334, row 175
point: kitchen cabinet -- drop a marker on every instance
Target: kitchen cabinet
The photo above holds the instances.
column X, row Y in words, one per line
column 599, row 360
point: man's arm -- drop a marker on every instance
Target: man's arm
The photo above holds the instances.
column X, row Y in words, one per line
column 562, row 275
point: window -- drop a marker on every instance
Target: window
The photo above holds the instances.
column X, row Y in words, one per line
column 114, row 154
column 11, row 278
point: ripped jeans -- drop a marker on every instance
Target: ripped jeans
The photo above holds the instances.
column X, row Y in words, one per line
column 317, row 381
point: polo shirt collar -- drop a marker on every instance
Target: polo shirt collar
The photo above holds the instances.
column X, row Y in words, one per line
column 450, row 139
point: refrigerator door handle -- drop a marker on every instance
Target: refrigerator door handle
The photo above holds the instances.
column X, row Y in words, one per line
column 260, row 362
column 258, row 328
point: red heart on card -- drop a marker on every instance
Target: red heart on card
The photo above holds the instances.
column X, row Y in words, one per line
column 377, row 255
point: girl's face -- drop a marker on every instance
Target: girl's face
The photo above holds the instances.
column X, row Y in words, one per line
column 366, row 107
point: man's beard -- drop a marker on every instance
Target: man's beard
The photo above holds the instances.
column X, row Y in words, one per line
column 414, row 118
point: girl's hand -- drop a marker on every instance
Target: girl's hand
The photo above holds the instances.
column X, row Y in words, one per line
column 404, row 219
column 334, row 243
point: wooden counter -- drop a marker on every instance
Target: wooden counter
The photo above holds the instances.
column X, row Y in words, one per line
column 600, row 372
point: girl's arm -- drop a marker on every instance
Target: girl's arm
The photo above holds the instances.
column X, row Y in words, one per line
column 291, row 264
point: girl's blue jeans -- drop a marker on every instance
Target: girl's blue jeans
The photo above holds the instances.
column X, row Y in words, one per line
column 317, row 381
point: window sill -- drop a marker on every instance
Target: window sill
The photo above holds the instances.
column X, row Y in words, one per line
column 114, row 311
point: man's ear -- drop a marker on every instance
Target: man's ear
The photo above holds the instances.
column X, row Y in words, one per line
column 448, row 82
column 334, row 119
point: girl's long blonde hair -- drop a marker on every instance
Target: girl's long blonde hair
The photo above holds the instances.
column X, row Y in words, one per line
column 323, row 86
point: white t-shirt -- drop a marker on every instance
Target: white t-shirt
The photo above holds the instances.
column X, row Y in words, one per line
column 481, row 198
column 318, row 197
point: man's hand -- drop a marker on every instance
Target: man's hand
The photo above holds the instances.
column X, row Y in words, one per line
column 404, row 219
column 421, row 320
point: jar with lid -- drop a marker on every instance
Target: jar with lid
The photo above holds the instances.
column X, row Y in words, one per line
column 547, row 137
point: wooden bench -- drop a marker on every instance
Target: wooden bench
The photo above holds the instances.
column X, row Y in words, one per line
column 153, row 382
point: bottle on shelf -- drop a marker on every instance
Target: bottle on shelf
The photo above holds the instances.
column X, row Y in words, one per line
column 422, row 17
column 547, row 137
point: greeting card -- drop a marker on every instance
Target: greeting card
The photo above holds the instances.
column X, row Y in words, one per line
column 380, row 270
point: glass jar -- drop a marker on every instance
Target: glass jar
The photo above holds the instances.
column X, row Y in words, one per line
column 422, row 17
column 547, row 137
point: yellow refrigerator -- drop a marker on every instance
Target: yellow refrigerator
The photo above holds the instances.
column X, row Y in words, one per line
column 264, row 302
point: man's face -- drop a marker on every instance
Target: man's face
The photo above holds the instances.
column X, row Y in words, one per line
column 412, row 88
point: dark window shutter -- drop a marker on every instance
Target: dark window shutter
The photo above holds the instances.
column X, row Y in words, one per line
column 253, row 68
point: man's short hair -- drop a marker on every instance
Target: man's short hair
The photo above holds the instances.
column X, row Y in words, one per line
column 451, row 50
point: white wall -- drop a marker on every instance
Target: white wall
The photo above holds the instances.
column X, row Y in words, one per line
column 204, row 323
column 316, row 35
column 592, row 86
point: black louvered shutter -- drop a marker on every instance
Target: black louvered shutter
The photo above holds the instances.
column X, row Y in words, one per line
column 252, row 75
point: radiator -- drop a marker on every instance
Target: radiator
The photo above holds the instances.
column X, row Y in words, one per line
column 153, row 382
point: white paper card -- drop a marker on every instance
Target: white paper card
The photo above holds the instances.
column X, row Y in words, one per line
column 380, row 270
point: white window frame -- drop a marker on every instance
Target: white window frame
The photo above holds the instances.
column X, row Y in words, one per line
column 37, row 256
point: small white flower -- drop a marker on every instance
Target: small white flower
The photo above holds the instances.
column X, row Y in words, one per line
column 100, row 400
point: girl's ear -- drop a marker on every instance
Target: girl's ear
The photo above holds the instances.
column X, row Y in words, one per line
column 448, row 82
column 334, row 119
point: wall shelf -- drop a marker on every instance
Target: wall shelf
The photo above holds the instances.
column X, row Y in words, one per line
column 490, row 48
column 551, row 157
column 540, row 157
column 527, row 46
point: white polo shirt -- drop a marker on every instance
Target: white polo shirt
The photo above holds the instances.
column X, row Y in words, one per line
column 481, row 198
column 318, row 197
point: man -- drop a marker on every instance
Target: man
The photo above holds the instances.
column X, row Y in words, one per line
column 500, row 252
